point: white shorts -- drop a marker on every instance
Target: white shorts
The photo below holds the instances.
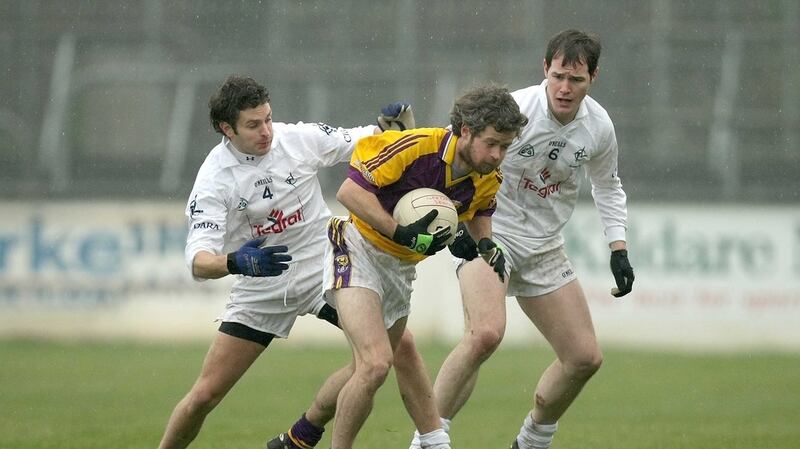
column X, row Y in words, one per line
column 352, row 261
column 273, row 304
column 535, row 273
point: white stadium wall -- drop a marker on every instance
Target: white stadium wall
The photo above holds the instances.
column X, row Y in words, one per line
column 707, row 277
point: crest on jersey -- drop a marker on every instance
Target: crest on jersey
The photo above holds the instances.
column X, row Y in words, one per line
column 242, row 204
column 526, row 150
column 581, row 155
column 342, row 263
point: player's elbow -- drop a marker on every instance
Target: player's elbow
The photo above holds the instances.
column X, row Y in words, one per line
column 345, row 192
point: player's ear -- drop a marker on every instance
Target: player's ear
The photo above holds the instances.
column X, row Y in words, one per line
column 546, row 66
column 465, row 131
column 227, row 129
column 593, row 76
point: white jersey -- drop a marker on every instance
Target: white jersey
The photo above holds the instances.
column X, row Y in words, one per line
column 238, row 197
column 542, row 171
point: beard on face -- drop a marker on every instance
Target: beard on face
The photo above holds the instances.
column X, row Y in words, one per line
column 466, row 156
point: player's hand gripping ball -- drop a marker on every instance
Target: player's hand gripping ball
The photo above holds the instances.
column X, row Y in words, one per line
column 463, row 245
column 427, row 221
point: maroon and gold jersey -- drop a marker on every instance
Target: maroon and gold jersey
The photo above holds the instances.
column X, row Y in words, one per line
column 393, row 163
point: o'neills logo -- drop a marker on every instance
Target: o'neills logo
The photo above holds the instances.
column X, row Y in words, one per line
column 279, row 222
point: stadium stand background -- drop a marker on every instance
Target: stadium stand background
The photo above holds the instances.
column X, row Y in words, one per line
column 107, row 100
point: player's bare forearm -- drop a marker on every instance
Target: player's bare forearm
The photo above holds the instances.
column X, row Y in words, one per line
column 479, row 227
column 209, row 266
column 365, row 205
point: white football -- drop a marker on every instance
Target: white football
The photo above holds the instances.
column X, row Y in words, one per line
column 418, row 202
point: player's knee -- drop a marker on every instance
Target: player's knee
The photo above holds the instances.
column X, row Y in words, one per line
column 373, row 371
column 202, row 400
column 484, row 341
column 585, row 365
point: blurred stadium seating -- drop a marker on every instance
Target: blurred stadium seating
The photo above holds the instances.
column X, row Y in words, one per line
column 107, row 99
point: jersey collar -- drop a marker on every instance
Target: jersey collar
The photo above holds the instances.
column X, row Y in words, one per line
column 447, row 149
column 238, row 157
column 447, row 152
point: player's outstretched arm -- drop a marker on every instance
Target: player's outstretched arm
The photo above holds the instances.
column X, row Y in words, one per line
column 249, row 260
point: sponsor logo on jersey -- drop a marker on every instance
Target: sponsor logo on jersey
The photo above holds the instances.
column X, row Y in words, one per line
column 526, row 150
column 544, row 175
column 543, row 192
column 557, row 143
column 366, row 173
column 278, row 222
column 206, row 225
column 193, row 209
column 327, row 129
column 567, row 273
column 242, row 204
column 291, row 180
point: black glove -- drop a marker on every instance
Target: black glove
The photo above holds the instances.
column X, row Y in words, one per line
column 493, row 255
column 463, row 246
column 417, row 237
column 622, row 271
column 250, row 260
column 397, row 116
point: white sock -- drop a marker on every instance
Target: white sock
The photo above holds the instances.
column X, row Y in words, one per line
column 415, row 443
column 535, row 436
column 437, row 439
column 445, row 424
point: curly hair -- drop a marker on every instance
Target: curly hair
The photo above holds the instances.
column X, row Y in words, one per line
column 489, row 105
column 236, row 94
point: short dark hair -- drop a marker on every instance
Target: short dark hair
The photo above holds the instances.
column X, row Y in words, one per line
column 575, row 47
column 236, row 94
column 483, row 106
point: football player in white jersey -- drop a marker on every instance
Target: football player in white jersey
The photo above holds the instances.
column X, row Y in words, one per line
column 568, row 133
column 257, row 212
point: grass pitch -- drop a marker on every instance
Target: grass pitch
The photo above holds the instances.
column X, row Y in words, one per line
column 118, row 395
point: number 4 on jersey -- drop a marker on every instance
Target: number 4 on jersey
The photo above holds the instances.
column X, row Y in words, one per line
column 267, row 193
